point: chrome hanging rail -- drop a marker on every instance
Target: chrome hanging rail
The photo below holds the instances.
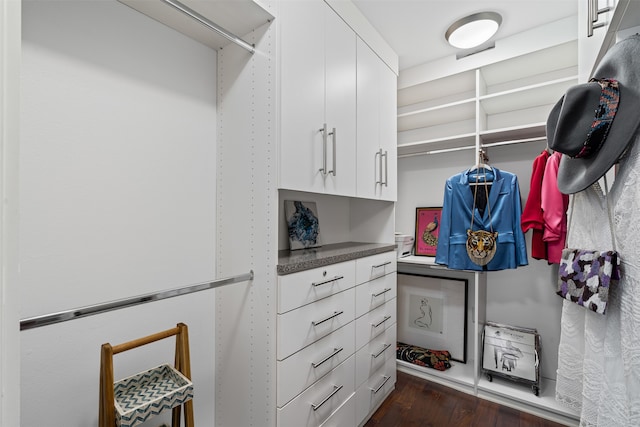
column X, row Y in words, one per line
column 90, row 310
column 472, row 147
column 514, row 141
column 440, row 151
column 209, row 24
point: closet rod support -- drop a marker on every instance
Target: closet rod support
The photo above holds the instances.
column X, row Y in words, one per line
column 210, row 24
column 63, row 316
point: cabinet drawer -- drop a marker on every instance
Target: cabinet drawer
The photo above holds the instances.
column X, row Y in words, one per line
column 375, row 322
column 307, row 324
column 313, row 406
column 373, row 356
column 305, row 367
column 345, row 416
column 370, row 394
column 373, row 266
column 304, row 287
column 375, row 293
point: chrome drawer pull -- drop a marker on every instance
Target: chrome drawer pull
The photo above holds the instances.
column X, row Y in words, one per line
column 381, row 265
column 335, row 351
column 384, row 347
column 336, row 388
column 377, row 389
column 335, row 314
column 375, row 325
column 381, row 292
column 335, row 279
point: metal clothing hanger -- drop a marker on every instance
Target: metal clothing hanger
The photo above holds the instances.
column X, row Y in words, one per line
column 483, row 164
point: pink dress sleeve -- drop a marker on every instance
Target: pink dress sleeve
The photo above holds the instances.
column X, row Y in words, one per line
column 554, row 210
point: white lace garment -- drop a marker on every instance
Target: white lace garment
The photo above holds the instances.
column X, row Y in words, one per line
column 599, row 355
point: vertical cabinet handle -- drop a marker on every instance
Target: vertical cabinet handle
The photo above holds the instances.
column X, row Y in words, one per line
column 378, row 153
column 592, row 16
column 336, row 389
column 386, row 168
column 333, row 138
column 323, row 169
column 325, row 134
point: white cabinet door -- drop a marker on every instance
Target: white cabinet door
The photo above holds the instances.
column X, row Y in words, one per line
column 368, row 118
column 589, row 46
column 377, row 128
column 317, row 89
column 301, row 95
column 389, row 131
column 340, row 105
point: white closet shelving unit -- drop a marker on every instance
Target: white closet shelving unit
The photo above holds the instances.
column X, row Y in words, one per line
column 498, row 104
column 485, row 108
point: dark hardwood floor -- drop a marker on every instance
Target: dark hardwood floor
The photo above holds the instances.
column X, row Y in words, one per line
column 417, row 402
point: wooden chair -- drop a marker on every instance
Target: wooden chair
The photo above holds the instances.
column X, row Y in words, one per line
column 107, row 410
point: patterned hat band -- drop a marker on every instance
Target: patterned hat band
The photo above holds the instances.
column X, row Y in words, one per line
column 605, row 113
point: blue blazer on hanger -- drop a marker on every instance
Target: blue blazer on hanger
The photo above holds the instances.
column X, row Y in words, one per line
column 506, row 208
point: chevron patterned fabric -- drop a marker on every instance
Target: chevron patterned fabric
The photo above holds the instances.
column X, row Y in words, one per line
column 144, row 395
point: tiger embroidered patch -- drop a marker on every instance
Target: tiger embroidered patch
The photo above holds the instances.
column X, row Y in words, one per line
column 481, row 246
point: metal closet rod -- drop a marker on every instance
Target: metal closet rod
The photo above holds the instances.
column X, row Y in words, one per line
column 514, row 141
column 444, row 150
column 90, row 310
column 209, row 24
column 472, row 147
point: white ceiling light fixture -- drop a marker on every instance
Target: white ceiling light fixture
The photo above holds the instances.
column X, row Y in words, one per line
column 473, row 30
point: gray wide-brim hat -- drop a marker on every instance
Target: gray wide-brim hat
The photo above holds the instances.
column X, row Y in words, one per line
column 593, row 123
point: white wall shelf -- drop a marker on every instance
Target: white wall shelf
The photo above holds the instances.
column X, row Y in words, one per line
column 517, row 395
column 504, row 102
column 237, row 18
column 454, row 143
column 526, row 97
column 532, row 130
column 459, row 86
column 432, row 116
column 459, row 376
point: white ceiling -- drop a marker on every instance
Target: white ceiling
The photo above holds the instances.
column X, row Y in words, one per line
column 415, row 28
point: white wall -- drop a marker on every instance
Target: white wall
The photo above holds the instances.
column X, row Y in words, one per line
column 117, row 189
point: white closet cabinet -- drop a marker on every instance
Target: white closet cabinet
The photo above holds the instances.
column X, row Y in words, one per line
column 316, row 343
column 375, row 331
column 617, row 19
column 592, row 29
column 377, row 128
column 317, row 99
column 336, row 341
